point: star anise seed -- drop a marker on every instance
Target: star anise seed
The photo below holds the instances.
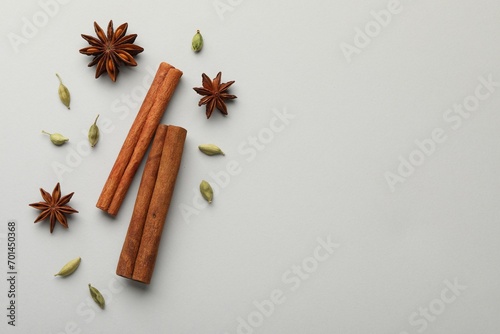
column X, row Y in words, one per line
column 215, row 93
column 54, row 207
column 111, row 50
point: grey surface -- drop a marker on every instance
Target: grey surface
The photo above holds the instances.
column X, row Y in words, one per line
column 320, row 174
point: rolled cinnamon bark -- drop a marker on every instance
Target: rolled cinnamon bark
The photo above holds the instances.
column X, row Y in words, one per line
column 134, row 234
column 138, row 138
column 155, row 212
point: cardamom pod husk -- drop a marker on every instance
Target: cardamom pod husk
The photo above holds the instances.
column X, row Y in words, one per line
column 96, row 296
column 56, row 138
column 206, row 191
column 197, row 42
column 69, row 267
column 210, row 149
column 94, row 133
column 63, row 91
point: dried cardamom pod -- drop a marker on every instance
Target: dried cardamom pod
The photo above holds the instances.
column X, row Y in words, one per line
column 63, row 92
column 197, row 42
column 69, row 267
column 210, row 149
column 56, row 138
column 94, row 133
column 96, row 296
column 206, row 191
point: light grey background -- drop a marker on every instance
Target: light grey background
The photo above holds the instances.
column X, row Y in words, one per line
column 322, row 175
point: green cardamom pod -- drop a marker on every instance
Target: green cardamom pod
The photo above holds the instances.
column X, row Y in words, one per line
column 69, row 267
column 210, row 149
column 206, row 191
column 56, row 138
column 94, row 133
column 197, row 42
column 96, row 296
column 63, row 92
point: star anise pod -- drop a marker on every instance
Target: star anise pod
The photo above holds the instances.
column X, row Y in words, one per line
column 111, row 50
column 54, row 207
column 215, row 94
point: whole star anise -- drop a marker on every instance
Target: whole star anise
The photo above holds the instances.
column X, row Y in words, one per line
column 215, row 94
column 111, row 50
column 54, row 207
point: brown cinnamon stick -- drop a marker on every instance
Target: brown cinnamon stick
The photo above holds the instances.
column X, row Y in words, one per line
column 153, row 212
column 138, row 138
column 134, row 234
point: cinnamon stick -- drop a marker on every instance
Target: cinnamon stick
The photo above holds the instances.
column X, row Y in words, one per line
column 134, row 234
column 155, row 212
column 138, row 138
